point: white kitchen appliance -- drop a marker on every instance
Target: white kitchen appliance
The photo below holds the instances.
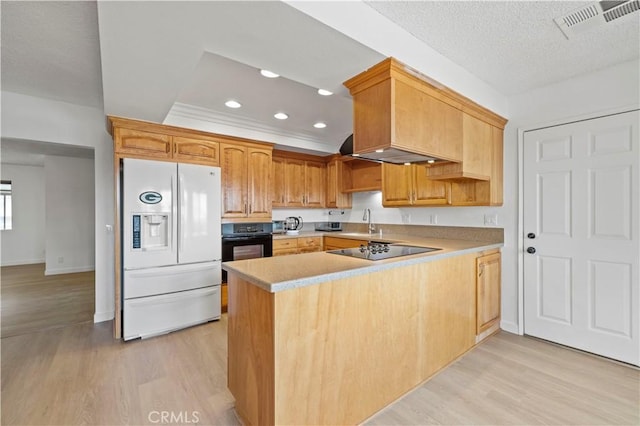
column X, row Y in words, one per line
column 171, row 246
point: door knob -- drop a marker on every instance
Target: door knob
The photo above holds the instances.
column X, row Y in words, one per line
column 531, row 250
column 531, row 235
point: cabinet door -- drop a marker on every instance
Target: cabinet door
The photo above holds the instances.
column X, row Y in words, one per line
column 488, row 291
column 396, row 185
column 309, row 244
column 197, row 151
column 142, row 144
column 259, row 177
column 314, row 183
column 234, row 180
column 332, row 185
column 278, row 186
column 497, row 170
column 294, row 178
column 427, row 192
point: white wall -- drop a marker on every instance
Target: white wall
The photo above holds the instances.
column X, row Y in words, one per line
column 31, row 118
column 25, row 242
column 70, row 218
column 581, row 97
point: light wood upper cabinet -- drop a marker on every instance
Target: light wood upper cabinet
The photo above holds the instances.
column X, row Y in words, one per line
column 278, row 188
column 142, row 143
column 304, row 181
column 394, row 109
column 259, row 174
column 410, row 186
column 294, row 182
column 397, row 109
column 315, row 183
column 246, row 181
column 196, row 151
column 487, row 291
column 336, row 176
column 139, row 139
column 476, row 156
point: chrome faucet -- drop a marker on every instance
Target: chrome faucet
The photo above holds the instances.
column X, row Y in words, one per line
column 367, row 216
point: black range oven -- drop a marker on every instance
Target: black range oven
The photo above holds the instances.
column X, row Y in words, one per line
column 245, row 241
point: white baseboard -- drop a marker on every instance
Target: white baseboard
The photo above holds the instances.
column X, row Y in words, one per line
column 22, row 262
column 103, row 316
column 58, row 271
column 509, row 326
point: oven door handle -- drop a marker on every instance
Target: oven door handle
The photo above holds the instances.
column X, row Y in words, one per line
column 256, row 237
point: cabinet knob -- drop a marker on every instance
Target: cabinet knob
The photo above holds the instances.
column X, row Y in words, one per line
column 531, row 250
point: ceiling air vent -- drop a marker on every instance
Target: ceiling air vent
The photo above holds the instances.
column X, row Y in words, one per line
column 594, row 15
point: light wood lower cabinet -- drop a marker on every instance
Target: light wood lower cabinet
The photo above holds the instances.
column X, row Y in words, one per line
column 284, row 246
column 336, row 243
column 339, row 351
column 488, row 277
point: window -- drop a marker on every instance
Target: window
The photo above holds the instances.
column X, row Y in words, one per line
column 5, row 213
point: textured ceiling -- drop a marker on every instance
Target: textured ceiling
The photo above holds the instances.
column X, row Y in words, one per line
column 50, row 49
column 515, row 46
column 142, row 59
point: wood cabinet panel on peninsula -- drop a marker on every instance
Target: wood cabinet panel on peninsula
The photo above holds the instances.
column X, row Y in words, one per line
column 246, row 181
column 324, row 354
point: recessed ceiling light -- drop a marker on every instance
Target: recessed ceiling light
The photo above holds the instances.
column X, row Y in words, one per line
column 320, row 125
column 280, row 115
column 233, row 104
column 269, row 74
column 379, row 150
column 324, row 92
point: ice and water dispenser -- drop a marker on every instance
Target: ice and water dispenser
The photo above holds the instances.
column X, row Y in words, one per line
column 151, row 231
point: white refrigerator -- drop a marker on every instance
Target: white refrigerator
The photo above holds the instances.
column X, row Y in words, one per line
column 171, row 246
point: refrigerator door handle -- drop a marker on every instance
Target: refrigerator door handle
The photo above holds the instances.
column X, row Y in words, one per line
column 182, row 227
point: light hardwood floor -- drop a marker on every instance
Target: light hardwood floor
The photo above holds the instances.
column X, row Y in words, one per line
column 80, row 375
column 32, row 301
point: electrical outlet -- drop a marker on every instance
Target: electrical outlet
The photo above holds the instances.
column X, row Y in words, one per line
column 491, row 219
column 406, row 217
column 434, row 219
column 60, row 259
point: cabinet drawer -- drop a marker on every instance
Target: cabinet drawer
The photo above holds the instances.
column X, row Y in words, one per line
column 143, row 143
column 285, row 244
column 285, row 251
column 339, row 243
column 196, row 151
column 310, row 242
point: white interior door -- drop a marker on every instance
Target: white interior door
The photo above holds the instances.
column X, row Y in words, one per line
column 581, row 217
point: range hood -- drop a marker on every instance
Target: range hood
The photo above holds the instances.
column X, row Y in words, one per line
column 389, row 155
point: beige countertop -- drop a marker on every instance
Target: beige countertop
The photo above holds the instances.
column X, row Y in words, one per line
column 280, row 273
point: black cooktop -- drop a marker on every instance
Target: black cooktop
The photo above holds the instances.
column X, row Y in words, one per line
column 382, row 251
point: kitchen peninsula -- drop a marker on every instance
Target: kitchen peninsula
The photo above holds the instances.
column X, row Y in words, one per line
column 320, row 338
